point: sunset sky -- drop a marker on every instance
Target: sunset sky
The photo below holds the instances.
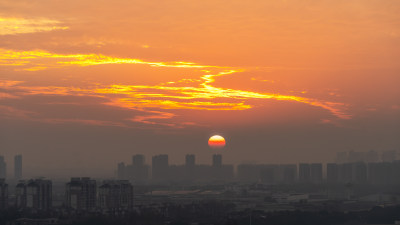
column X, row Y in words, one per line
column 86, row 84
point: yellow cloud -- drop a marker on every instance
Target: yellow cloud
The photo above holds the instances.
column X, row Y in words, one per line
column 194, row 94
column 9, row 26
column 39, row 59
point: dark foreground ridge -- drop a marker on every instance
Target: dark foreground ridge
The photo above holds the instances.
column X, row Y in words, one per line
column 204, row 213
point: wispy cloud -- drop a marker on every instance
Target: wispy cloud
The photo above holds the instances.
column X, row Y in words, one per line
column 41, row 60
column 188, row 94
column 10, row 26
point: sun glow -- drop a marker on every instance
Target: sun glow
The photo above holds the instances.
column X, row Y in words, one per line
column 216, row 141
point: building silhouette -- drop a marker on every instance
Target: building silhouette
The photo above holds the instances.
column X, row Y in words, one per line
column 389, row 156
column 217, row 160
column 160, row 168
column 35, row 194
column 116, row 195
column 121, row 171
column 138, row 160
column 81, row 193
column 288, row 173
column 3, row 194
column 332, row 173
column 346, row 173
column 248, row 173
column 190, row 168
column 3, row 168
column 138, row 172
column 18, row 167
column 269, row 174
column 190, row 160
column 20, row 195
column 304, row 173
column 360, row 171
column 316, row 173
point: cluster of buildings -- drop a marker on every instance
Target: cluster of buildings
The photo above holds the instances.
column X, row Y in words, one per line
column 17, row 167
column 359, row 172
column 379, row 173
column 161, row 171
column 82, row 194
column 368, row 156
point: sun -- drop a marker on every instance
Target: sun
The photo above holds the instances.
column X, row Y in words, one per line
column 216, row 141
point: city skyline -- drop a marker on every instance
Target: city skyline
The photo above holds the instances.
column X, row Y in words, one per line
column 281, row 81
column 137, row 164
column 184, row 112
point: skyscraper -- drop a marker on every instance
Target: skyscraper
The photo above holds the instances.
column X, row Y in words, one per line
column 360, row 172
column 190, row 167
column 20, row 195
column 138, row 160
column 190, row 160
column 34, row 194
column 3, row 168
column 116, row 195
column 217, row 160
column 332, row 172
column 3, row 194
column 288, row 173
column 18, row 167
column 138, row 172
column 121, row 171
column 81, row 193
column 304, row 172
column 269, row 174
column 316, row 172
column 160, row 167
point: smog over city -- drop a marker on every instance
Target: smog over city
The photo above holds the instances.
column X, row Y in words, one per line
column 199, row 112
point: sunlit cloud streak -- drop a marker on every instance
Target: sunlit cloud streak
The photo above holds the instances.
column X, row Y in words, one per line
column 188, row 94
column 11, row 26
column 41, row 60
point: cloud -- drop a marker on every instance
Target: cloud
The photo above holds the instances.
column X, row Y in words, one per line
column 12, row 26
column 185, row 94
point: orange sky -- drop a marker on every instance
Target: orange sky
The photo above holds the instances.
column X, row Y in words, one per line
column 199, row 67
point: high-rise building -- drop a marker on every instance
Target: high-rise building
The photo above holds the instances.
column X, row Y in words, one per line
column 3, row 168
column 190, row 160
column 216, row 168
column 396, row 172
column 3, row 194
column 116, row 195
column 354, row 157
column 316, row 173
column 138, row 172
column 81, row 193
column 389, row 156
column 304, row 173
column 217, row 160
column 371, row 156
column 341, row 157
column 18, row 167
column 248, row 172
column 346, row 173
column 360, row 172
column 190, row 168
column 269, row 174
column 20, row 195
column 138, row 160
column 381, row 173
column 160, row 168
column 35, row 194
column 288, row 173
column 121, row 171
column 332, row 172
